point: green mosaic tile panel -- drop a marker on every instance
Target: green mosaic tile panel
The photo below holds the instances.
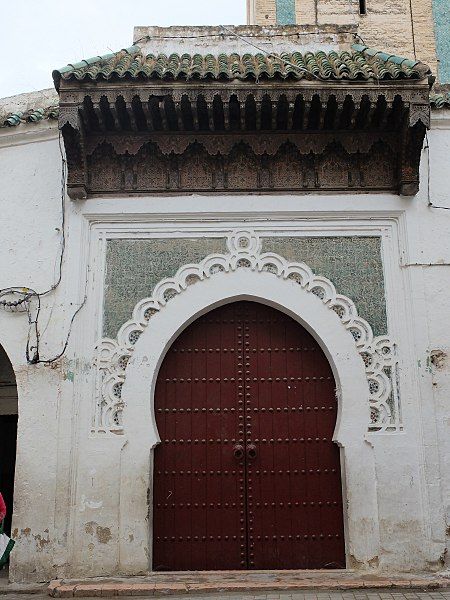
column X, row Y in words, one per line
column 353, row 264
column 441, row 12
column 134, row 267
column 285, row 12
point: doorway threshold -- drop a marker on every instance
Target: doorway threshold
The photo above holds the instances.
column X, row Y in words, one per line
column 220, row 582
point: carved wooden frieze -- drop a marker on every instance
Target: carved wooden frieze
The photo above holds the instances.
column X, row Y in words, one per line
column 260, row 143
column 241, row 169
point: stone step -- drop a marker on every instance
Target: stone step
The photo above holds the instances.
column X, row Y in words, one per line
column 163, row 584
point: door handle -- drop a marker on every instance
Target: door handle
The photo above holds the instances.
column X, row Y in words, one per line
column 251, row 451
column 238, row 451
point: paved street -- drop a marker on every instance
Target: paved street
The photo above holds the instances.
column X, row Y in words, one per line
column 357, row 595
column 321, row 596
column 310, row 595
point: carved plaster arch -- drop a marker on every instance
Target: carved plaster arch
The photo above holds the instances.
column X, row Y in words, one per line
column 244, row 252
column 139, row 420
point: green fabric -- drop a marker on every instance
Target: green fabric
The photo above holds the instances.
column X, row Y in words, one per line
column 4, row 557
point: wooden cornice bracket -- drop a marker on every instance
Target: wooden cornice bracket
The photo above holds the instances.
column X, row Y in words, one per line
column 72, row 131
column 411, row 149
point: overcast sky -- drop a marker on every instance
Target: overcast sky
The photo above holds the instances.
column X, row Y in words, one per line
column 52, row 33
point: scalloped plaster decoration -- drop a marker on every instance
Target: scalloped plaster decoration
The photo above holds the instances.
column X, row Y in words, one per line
column 244, row 251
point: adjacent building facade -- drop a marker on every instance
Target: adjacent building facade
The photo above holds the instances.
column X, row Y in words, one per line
column 417, row 29
column 241, row 359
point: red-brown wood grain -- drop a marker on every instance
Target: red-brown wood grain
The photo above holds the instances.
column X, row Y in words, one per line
column 246, row 375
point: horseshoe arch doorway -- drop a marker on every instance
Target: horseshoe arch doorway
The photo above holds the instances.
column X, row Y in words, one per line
column 246, row 475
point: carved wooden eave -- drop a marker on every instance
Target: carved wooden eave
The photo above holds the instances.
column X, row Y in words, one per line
column 142, row 137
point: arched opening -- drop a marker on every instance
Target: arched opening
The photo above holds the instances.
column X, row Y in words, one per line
column 8, row 433
column 246, row 475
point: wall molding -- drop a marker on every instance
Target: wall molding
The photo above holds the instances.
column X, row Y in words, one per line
column 26, row 134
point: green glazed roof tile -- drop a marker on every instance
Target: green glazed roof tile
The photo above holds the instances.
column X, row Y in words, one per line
column 358, row 63
column 13, row 119
column 440, row 100
column 34, row 115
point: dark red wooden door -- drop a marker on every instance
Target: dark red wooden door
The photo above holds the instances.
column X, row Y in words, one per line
column 246, row 475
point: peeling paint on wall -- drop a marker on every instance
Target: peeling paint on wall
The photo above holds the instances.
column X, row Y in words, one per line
column 91, row 504
column 102, row 534
column 439, row 360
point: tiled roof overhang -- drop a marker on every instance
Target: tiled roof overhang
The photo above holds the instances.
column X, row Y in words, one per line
column 358, row 64
column 128, row 100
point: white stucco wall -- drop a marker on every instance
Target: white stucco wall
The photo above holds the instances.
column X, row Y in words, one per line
column 71, row 517
column 435, row 255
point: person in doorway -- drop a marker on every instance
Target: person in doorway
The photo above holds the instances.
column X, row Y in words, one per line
column 2, row 508
column 6, row 543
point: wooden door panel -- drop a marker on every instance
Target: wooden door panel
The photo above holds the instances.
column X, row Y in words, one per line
column 200, row 526
column 246, row 374
column 296, row 504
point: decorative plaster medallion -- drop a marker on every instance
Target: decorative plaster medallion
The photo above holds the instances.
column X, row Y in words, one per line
column 244, row 252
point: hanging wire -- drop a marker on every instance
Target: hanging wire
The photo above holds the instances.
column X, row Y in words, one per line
column 25, row 291
column 148, row 38
column 36, row 359
column 29, row 300
column 270, row 54
column 277, row 56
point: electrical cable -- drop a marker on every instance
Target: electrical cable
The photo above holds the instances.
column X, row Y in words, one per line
column 27, row 295
column 412, row 29
column 148, row 38
column 268, row 54
column 29, row 292
column 34, row 322
column 66, row 343
column 271, row 54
